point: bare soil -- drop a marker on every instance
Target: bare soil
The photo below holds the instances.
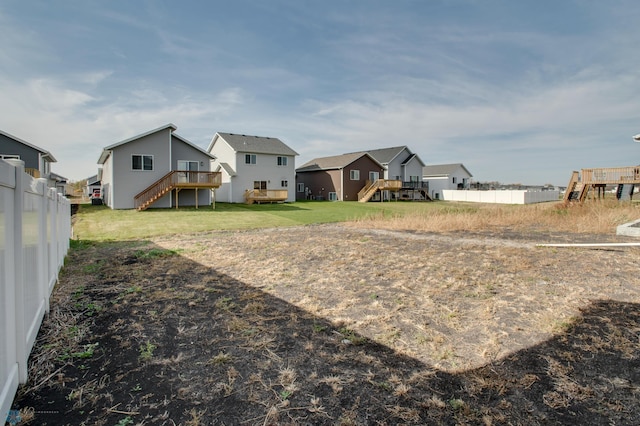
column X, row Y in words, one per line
column 334, row 324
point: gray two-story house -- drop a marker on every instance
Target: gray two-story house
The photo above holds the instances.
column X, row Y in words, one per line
column 157, row 169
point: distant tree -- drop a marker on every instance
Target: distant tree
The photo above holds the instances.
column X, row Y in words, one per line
column 78, row 187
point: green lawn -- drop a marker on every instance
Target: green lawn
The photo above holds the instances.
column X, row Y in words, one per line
column 101, row 223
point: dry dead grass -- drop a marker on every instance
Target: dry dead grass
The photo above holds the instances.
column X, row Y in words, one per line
column 291, row 326
column 594, row 217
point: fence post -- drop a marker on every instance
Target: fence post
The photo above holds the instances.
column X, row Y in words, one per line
column 8, row 368
column 43, row 249
column 18, row 262
column 54, row 235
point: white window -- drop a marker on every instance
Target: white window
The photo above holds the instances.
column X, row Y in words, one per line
column 141, row 162
column 414, row 178
column 301, row 187
column 354, row 174
column 454, row 180
column 284, row 183
column 333, row 196
column 282, row 161
column 10, row 157
column 250, row 159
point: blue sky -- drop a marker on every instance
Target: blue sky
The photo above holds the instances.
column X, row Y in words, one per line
column 517, row 91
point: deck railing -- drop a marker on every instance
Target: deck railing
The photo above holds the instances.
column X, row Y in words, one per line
column 613, row 175
column 415, row 185
column 32, row 172
column 266, row 195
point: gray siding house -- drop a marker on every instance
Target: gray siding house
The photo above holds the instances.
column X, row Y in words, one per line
column 37, row 161
column 136, row 164
column 399, row 163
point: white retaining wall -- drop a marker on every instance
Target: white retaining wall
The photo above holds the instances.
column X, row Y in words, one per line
column 35, row 228
column 501, row 197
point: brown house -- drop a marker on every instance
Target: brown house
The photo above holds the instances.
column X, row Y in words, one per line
column 337, row 178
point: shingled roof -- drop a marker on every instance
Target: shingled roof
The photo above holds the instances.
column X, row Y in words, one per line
column 386, row 155
column 443, row 169
column 333, row 162
column 254, row 144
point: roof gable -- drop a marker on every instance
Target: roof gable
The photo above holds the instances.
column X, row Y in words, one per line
column 253, row 144
column 411, row 158
column 334, row 162
column 387, row 155
column 150, row 132
column 45, row 154
column 171, row 127
column 192, row 145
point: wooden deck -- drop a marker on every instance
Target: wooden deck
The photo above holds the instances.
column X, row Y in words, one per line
column 177, row 180
column 266, row 196
column 611, row 176
column 581, row 182
column 371, row 188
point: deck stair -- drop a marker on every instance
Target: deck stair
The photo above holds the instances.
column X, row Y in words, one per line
column 371, row 188
column 624, row 191
column 177, row 180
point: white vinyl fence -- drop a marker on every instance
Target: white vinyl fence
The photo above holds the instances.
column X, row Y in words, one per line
column 501, row 197
column 35, row 227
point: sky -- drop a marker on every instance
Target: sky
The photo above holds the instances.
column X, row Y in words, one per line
column 518, row 91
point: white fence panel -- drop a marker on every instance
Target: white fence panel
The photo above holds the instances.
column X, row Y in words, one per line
column 35, row 227
column 500, row 197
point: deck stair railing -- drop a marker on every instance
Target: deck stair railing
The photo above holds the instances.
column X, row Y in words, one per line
column 176, row 179
column 370, row 188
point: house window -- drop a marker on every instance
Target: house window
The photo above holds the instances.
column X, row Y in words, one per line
column 282, row 161
column 301, row 187
column 184, row 167
column 260, row 184
column 250, row 159
column 454, row 179
column 414, row 178
column 354, row 174
column 9, row 157
column 284, row 184
column 333, row 196
column 141, row 162
column 189, row 166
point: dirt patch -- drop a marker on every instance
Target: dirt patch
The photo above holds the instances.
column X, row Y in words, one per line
column 337, row 325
